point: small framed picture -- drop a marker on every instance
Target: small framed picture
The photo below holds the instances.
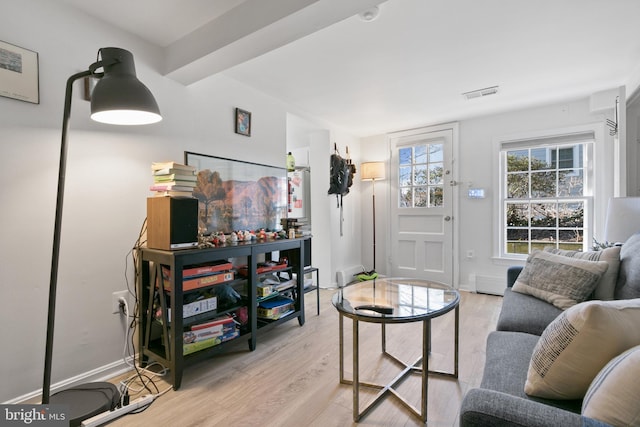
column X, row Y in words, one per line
column 243, row 122
column 19, row 73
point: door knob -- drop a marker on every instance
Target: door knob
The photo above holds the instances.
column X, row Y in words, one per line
column 447, row 218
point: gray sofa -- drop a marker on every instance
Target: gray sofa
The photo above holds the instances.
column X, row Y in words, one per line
column 500, row 400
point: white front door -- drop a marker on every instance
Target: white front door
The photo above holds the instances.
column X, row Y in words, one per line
column 421, row 201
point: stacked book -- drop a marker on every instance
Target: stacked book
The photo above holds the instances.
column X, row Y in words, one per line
column 209, row 334
column 301, row 226
column 200, row 276
column 173, row 179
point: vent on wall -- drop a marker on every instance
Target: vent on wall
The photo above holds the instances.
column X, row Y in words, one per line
column 481, row 92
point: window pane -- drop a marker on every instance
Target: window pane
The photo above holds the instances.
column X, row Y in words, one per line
column 518, row 161
column 517, row 241
column 420, row 154
column 543, row 214
column 570, row 182
column 541, row 235
column 420, row 197
column 570, row 157
column 543, row 158
column 404, row 156
column 436, row 153
column 571, row 215
column 543, row 184
column 435, row 173
column 405, row 198
column 571, row 240
column 404, row 176
column 517, row 185
column 517, row 214
column 435, row 196
column 420, row 175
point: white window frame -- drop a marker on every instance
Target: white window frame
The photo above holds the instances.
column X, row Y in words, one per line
column 549, row 137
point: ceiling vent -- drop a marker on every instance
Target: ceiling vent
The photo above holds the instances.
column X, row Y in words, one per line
column 481, row 92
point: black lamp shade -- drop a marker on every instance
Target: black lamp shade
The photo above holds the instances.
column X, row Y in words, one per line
column 119, row 97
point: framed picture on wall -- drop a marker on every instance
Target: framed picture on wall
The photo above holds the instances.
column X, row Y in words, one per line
column 19, row 73
column 243, row 122
column 237, row 195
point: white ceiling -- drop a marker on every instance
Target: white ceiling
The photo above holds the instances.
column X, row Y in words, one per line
column 407, row 68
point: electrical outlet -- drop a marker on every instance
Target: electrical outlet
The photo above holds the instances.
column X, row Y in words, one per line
column 115, row 300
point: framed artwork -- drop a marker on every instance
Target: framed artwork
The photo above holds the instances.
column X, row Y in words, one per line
column 19, row 73
column 236, row 195
column 243, row 122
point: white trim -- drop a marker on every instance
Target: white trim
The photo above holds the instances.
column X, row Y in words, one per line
column 419, row 133
column 595, row 184
column 103, row 373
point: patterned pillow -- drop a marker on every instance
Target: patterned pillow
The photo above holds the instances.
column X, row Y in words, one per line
column 559, row 280
column 578, row 344
column 614, row 395
column 607, row 284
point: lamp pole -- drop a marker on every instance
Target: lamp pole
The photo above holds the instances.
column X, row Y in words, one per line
column 373, row 190
column 53, row 281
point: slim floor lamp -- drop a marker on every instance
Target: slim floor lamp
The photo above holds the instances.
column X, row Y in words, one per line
column 118, row 98
column 372, row 171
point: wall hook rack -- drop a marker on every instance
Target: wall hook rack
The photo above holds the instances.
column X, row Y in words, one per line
column 613, row 124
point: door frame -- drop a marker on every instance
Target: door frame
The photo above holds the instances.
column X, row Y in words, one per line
column 455, row 142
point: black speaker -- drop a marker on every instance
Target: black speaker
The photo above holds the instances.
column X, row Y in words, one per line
column 172, row 222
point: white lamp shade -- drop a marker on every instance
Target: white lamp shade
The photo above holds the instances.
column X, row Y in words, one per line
column 372, row 170
column 623, row 219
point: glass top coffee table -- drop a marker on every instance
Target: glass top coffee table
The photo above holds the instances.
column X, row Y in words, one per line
column 395, row 300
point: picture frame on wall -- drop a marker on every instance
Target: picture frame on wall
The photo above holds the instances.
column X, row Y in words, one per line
column 19, row 73
column 243, row 122
column 238, row 195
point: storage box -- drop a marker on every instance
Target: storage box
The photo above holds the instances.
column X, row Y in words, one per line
column 197, row 307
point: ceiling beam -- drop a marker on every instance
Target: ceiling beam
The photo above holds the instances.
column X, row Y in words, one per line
column 249, row 30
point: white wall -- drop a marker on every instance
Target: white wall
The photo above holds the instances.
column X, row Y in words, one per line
column 108, row 176
column 331, row 251
column 476, row 165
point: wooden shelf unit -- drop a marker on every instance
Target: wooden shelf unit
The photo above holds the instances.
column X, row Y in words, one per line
column 168, row 347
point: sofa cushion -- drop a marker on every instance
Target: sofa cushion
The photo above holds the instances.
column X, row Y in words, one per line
column 559, row 280
column 578, row 344
column 614, row 394
column 525, row 313
column 505, row 369
column 628, row 285
column 607, row 284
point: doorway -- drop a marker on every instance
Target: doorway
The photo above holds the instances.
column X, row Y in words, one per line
column 422, row 194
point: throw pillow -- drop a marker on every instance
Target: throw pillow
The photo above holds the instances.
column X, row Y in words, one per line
column 607, row 284
column 629, row 277
column 614, row 395
column 559, row 280
column 578, row 344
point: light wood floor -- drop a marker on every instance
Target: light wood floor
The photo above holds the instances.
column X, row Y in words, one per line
column 292, row 377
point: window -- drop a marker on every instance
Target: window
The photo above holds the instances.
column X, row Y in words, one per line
column 546, row 193
column 420, row 175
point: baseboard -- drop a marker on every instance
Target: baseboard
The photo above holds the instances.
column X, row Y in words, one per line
column 103, row 373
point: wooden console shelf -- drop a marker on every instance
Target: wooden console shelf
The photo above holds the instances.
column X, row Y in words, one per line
column 161, row 338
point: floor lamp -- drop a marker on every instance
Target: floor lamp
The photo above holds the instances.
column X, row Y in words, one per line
column 373, row 171
column 118, row 98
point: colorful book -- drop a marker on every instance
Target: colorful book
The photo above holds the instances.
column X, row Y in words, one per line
column 157, row 166
column 174, row 177
column 170, row 187
column 173, row 194
column 200, row 270
column 275, row 308
column 201, row 282
column 201, row 345
column 168, row 171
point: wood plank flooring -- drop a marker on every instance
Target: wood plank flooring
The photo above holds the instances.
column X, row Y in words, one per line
column 292, row 378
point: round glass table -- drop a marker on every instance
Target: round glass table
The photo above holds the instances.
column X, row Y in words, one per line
column 395, row 300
